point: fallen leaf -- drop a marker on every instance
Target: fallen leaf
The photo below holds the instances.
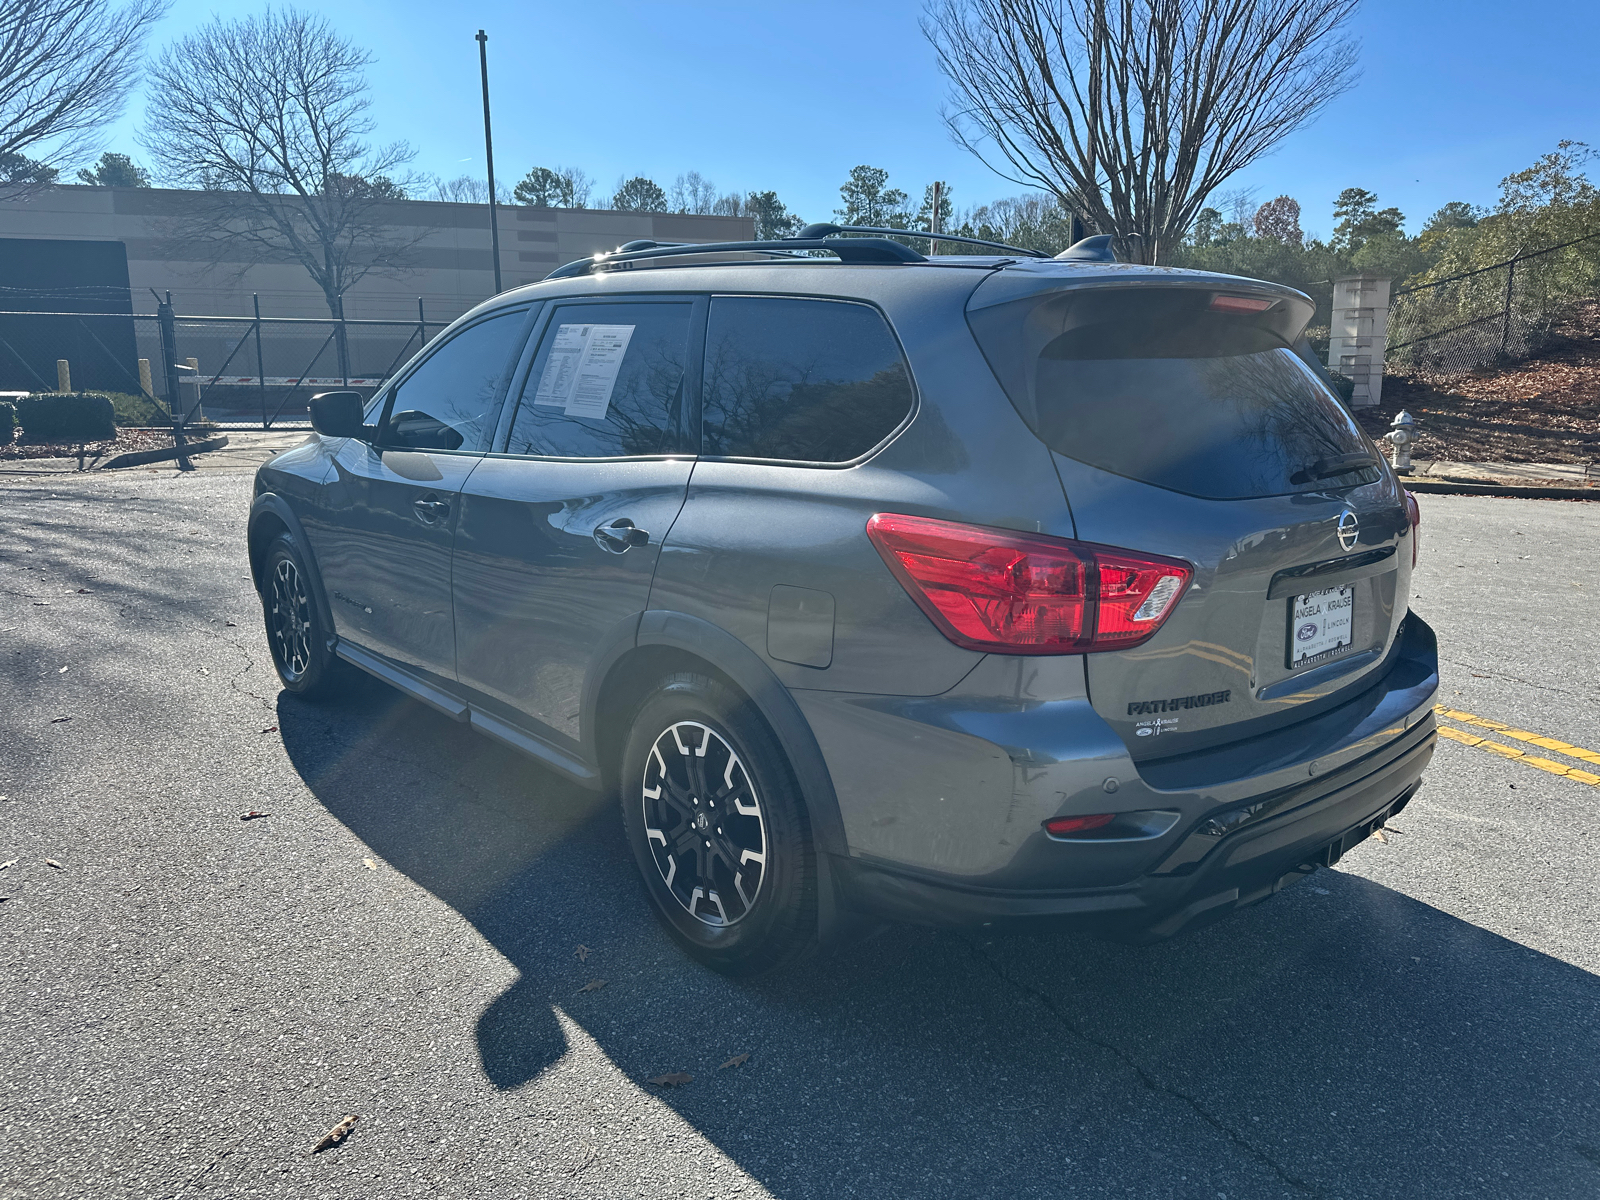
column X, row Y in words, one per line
column 581, row 953
column 335, row 1135
column 672, row 1079
column 270, row 729
column 58, row 720
column 369, row 864
column 1381, row 836
column 50, row 862
column 738, row 1060
column 10, row 862
column 594, row 985
column 253, row 815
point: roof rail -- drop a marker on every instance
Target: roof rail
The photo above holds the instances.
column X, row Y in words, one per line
column 849, row 250
column 824, row 230
column 877, row 247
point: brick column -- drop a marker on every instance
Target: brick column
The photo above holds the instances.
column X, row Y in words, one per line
column 1358, row 333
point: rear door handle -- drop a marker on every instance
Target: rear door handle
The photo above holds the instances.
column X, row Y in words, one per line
column 619, row 536
column 430, row 508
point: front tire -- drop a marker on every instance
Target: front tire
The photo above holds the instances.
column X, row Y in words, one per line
column 718, row 827
column 301, row 653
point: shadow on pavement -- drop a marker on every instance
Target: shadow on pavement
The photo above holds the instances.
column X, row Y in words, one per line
column 1341, row 1040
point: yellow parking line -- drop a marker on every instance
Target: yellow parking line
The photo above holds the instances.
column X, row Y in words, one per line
column 1544, row 764
column 1521, row 735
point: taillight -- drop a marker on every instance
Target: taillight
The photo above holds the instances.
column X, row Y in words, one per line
column 1019, row 593
column 1062, row 826
column 1414, row 515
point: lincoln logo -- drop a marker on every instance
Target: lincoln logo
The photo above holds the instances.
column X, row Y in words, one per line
column 1306, row 632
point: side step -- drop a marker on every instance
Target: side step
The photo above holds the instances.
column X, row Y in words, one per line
column 504, row 732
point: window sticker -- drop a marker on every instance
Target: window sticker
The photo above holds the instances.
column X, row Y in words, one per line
column 581, row 372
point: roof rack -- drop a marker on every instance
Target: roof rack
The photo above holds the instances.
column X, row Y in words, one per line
column 849, row 250
column 877, row 247
column 823, row 230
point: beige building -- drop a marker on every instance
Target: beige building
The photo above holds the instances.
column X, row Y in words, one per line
column 102, row 252
column 450, row 266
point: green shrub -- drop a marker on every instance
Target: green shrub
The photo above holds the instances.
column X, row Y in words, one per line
column 67, row 417
column 8, row 421
column 133, row 408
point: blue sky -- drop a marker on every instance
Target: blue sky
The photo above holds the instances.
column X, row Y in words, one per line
column 1453, row 96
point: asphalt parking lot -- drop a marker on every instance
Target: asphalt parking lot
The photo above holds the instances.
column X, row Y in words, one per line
column 189, row 1001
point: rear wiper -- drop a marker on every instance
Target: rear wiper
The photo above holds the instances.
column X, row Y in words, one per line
column 1331, row 468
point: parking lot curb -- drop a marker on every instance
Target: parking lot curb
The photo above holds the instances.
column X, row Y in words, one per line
column 138, row 458
column 1448, row 487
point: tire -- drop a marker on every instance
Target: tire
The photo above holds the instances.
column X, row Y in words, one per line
column 698, row 841
column 296, row 635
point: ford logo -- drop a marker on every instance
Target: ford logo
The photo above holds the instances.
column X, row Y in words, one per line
column 1306, row 632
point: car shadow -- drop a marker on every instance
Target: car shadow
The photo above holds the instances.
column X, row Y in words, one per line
column 1341, row 1040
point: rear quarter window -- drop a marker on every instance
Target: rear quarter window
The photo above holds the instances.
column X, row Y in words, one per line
column 798, row 380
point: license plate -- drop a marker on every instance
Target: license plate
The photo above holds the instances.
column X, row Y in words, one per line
column 1321, row 625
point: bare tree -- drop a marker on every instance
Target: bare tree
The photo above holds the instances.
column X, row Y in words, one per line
column 693, row 193
column 465, row 189
column 1239, row 204
column 66, row 67
column 267, row 116
column 1131, row 112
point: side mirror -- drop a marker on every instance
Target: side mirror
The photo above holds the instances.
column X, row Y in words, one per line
column 339, row 414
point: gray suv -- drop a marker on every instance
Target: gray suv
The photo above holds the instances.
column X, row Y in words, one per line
column 970, row 589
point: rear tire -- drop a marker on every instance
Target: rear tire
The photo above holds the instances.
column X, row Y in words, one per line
column 305, row 662
column 718, row 827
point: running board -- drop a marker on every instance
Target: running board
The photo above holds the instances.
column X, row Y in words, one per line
column 504, row 732
column 408, row 683
column 570, row 765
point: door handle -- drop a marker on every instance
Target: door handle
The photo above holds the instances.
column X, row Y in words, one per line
column 619, row 536
column 430, row 508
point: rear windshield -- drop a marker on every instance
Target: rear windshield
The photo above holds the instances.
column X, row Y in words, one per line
column 1171, row 394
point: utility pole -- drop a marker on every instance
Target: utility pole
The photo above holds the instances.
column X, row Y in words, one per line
column 488, row 149
column 933, row 220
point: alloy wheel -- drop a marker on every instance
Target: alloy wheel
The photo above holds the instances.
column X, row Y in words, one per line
column 704, row 823
column 290, row 619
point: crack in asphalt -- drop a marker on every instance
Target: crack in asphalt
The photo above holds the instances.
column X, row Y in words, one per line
column 1490, row 673
column 216, row 1161
column 1144, row 1076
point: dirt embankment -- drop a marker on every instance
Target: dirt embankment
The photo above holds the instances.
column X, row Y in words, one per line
column 1544, row 410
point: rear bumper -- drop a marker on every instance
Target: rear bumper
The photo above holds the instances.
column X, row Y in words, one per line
column 1236, row 870
column 1235, row 836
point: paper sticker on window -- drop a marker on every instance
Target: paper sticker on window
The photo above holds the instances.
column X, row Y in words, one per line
column 581, row 372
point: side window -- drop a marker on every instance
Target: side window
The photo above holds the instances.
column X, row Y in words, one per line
column 801, row 380
column 608, row 382
column 448, row 403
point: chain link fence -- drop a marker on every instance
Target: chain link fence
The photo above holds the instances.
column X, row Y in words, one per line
column 234, row 372
column 1500, row 313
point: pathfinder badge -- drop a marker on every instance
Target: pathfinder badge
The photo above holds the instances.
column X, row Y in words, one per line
column 1177, row 703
